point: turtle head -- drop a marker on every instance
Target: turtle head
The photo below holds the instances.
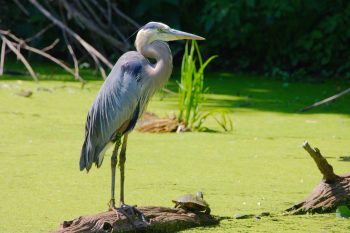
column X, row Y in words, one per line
column 200, row 195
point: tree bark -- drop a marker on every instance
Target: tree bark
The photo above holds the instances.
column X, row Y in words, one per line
column 325, row 168
column 161, row 219
column 151, row 123
column 333, row 190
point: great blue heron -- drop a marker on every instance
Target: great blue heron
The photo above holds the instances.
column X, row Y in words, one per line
column 124, row 95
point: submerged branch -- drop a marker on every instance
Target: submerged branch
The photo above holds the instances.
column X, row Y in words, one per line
column 327, row 100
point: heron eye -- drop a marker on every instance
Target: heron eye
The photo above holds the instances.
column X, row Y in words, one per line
column 161, row 30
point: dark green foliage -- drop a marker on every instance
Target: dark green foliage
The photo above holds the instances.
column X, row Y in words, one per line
column 284, row 38
column 291, row 38
column 25, row 26
column 343, row 211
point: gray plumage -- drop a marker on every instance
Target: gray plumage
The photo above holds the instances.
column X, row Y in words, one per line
column 118, row 100
column 124, row 95
column 121, row 99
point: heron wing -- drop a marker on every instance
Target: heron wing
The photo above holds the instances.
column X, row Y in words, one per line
column 117, row 104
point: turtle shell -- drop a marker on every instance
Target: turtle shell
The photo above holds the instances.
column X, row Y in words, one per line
column 191, row 202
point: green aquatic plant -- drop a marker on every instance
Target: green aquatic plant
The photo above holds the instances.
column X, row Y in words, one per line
column 192, row 90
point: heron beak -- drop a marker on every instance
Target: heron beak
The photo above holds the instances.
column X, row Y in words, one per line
column 179, row 35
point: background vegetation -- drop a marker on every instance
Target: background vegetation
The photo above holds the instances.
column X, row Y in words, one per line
column 289, row 39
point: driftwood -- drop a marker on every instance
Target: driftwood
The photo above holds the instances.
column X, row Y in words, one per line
column 333, row 190
column 160, row 219
column 15, row 44
column 19, row 56
column 40, row 33
column 161, row 125
column 151, row 123
column 92, row 51
column 327, row 100
column 2, row 57
column 95, row 28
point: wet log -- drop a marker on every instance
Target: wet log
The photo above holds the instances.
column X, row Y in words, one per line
column 160, row 219
column 332, row 191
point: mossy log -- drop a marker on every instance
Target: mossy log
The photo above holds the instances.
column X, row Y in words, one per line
column 332, row 191
column 161, row 219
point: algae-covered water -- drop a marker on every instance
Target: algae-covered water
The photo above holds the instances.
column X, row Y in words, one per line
column 258, row 167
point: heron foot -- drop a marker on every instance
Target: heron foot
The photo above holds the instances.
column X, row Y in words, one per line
column 130, row 212
column 111, row 205
column 115, row 209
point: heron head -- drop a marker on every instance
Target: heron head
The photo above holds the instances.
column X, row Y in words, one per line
column 153, row 31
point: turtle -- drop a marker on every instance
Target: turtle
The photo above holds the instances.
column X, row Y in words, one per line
column 192, row 203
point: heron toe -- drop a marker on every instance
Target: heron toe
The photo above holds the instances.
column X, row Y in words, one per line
column 111, row 205
column 132, row 213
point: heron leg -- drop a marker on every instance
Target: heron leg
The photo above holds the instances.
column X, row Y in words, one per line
column 131, row 210
column 122, row 159
column 114, row 162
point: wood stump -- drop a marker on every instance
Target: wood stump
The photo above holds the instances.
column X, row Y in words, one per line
column 151, row 123
column 333, row 190
column 161, row 219
column 161, row 125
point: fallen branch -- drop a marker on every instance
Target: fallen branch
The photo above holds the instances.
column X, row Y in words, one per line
column 55, row 60
column 71, row 52
column 325, row 168
column 91, row 25
column 151, row 123
column 124, row 16
column 327, row 100
column 20, row 57
column 15, row 47
column 92, row 13
column 20, row 6
column 40, row 33
column 332, row 191
column 161, row 219
column 107, row 16
column 91, row 50
column 2, row 57
column 162, row 125
column 51, row 46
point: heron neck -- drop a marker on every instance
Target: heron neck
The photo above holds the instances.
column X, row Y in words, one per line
column 161, row 70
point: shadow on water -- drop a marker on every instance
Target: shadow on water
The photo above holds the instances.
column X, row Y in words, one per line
column 265, row 94
column 231, row 91
column 15, row 70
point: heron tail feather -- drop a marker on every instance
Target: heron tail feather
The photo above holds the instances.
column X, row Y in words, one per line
column 87, row 152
